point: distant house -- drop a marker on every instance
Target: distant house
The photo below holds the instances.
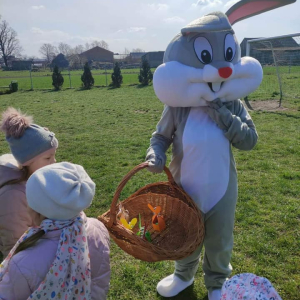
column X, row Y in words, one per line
column 136, row 56
column 9, row 61
column 98, row 54
column 39, row 63
column 154, row 58
column 287, row 51
column 60, row 61
column 21, row 64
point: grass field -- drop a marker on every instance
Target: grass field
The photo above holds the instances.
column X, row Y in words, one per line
column 108, row 131
column 43, row 79
column 269, row 89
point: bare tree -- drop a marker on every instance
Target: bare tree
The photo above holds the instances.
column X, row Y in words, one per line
column 48, row 51
column 65, row 49
column 87, row 46
column 9, row 44
column 104, row 45
column 78, row 49
column 138, row 50
column 101, row 44
column 126, row 53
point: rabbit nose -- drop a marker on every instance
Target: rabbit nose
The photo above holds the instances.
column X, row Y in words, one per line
column 225, row 72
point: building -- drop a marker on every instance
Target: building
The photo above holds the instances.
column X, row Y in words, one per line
column 154, row 58
column 97, row 54
column 287, row 51
column 21, row 64
column 38, row 63
column 135, row 56
column 9, row 61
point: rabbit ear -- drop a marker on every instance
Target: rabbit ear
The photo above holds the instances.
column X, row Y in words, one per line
column 247, row 8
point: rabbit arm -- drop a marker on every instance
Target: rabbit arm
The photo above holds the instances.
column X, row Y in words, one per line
column 242, row 132
column 161, row 141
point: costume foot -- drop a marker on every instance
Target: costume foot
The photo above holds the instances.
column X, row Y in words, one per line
column 214, row 295
column 172, row 285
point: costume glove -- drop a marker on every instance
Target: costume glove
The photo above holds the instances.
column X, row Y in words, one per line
column 219, row 113
column 156, row 163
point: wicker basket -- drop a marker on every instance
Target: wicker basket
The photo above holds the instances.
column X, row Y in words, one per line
column 184, row 224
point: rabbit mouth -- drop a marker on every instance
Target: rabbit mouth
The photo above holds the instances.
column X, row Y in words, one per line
column 215, row 86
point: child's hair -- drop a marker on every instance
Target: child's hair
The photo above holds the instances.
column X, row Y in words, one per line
column 29, row 242
column 24, row 177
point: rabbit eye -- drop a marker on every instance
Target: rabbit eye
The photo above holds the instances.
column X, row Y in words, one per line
column 229, row 47
column 203, row 50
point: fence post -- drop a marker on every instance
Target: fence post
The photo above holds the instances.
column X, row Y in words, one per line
column 105, row 75
column 70, row 79
column 31, row 78
column 277, row 71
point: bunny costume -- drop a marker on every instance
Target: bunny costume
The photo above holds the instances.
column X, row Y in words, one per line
column 200, row 83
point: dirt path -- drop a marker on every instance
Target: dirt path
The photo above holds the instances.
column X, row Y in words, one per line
column 266, row 105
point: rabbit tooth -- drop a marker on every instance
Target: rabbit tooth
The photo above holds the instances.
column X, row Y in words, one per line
column 216, row 86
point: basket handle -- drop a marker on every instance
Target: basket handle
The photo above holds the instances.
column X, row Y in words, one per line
column 123, row 182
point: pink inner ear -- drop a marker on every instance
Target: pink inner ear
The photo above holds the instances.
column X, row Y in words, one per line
column 250, row 9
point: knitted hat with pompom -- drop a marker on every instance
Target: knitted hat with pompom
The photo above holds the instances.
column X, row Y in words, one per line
column 26, row 140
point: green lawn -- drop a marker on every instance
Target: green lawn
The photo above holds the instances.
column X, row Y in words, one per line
column 268, row 90
column 108, row 131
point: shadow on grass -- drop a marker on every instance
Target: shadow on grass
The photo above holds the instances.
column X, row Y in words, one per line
column 111, row 87
column 187, row 294
column 52, row 91
column 282, row 114
column 141, row 86
column 82, row 89
column 26, row 91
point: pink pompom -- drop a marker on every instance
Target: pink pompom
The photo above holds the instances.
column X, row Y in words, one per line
column 14, row 123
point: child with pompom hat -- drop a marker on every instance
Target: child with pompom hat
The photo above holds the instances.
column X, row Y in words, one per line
column 67, row 255
column 32, row 147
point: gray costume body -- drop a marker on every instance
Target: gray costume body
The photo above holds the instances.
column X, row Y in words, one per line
column 202, row 163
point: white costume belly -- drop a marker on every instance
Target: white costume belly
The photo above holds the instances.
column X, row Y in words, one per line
column 206, row 160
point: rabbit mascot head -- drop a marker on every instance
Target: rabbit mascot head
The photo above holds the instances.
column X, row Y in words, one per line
column 203, row 62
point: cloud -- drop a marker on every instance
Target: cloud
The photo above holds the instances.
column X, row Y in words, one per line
column 174, row 20
column 207, row 3
column 158, row 6
column 36, row 7
column 136, row 29
column 53, row 36
column 230, row 3
column 36, row 30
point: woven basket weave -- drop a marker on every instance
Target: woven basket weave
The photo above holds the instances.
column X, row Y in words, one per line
column 184, row 224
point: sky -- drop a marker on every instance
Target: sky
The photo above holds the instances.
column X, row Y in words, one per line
column 145, row 24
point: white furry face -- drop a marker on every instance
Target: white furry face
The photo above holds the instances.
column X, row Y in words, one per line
column 179, row 85
column 200, row 67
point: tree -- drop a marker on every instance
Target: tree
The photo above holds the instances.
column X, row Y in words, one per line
column 87, row 78
column 57, row 79
column 60, row 61
column 146, row 75
column 116, row 76
column 65, row 49
column 101, row 44
column 87, row 46
column 138, row 50
column 48, row 51
column 78, row 49
column 9, row 44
